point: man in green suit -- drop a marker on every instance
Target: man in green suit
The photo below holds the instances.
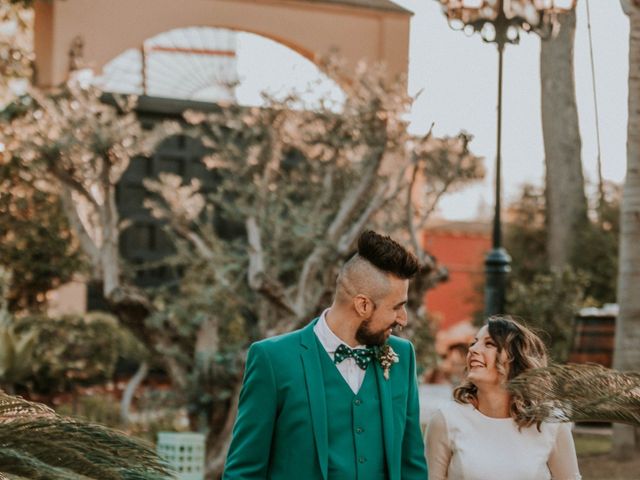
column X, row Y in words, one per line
column 338, row 399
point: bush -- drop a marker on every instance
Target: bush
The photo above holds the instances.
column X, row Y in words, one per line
column 76, row 350
column 548, row 304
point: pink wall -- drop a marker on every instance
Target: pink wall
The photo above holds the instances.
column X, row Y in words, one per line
column 109, row 27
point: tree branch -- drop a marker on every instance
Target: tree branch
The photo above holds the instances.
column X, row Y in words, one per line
column 356, row 195
column 86, row 242
column 347, row 209
column 68, row 179
column 410, row 214
column 257, row 277
column 349, row 237
column 196, row 240
column 256, row 259
column 425, row 216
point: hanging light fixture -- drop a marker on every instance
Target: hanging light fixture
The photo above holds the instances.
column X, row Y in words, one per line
column 500, row 22
column 503, row 20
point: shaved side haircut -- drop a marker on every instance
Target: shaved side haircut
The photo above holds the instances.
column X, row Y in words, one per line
column 367, row 271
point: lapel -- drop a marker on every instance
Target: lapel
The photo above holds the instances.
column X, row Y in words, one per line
column 315, row 393
column 384, row 390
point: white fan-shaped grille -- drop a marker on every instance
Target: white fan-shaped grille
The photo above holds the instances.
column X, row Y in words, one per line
column 196, row 63
column 217, row 65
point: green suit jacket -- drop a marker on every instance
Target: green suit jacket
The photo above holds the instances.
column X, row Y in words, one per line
column 281, row 429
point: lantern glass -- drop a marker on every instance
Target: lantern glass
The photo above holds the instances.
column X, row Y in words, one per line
column 456, row 24
column 512, row 33
column 488, row 32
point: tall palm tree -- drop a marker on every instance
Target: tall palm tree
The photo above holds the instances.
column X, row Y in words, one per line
column 565, row 197
column 38, row 444
column 627, row 343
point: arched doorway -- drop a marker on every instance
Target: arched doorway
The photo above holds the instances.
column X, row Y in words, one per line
column 311, row 27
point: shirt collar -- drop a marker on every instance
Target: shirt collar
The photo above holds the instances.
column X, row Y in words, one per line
column 329, row 340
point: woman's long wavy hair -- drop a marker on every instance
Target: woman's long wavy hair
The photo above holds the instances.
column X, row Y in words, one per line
column 524, row 350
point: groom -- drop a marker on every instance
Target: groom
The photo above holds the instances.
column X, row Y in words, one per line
column 338, row 399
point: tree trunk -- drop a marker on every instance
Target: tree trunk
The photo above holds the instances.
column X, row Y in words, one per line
column 626, row 439
column 110, row 248
column 129, row 392
column 219, row 446
column 566, row 200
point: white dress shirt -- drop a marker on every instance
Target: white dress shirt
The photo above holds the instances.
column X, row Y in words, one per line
column 350, row 371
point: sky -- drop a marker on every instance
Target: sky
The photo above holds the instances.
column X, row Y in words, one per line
column 458, row 79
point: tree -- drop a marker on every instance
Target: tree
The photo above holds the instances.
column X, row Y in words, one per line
column 566, row 201
column 549, row 299
column 258, row 255
column 595, row 254
column 74, row 143
column 626, row 439
column 36, row 243
column 16, row 52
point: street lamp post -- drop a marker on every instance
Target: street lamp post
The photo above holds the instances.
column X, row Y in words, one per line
column 500, row 22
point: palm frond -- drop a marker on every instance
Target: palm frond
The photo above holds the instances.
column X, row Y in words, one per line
column 36, row 443
column 26, row 466
column 12, row 407
column 580, row 393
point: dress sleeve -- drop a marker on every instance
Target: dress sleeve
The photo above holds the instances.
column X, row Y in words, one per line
column 438, row 447
column 563, row 462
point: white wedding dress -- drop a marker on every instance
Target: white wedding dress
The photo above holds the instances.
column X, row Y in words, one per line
column 464, row 444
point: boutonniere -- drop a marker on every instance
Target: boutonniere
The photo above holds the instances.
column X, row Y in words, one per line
column 387, row 357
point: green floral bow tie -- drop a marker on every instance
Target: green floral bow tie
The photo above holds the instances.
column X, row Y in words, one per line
column 362, row 356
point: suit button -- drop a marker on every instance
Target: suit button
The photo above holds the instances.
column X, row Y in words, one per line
column 362, row 459
column 357, row 402
column 359, row 430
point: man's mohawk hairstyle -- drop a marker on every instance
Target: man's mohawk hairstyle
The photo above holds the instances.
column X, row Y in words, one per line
column 387, row 255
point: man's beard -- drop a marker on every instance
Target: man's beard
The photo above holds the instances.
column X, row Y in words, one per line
column 367, row 337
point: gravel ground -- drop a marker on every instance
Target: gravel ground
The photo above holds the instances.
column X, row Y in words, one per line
column 601, row 467
column 593, row 448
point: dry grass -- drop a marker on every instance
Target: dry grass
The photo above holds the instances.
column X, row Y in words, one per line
column 595, row 462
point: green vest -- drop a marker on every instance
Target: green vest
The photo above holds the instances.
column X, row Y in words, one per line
column 354, row 424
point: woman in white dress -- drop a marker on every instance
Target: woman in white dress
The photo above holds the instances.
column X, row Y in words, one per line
column 486, row 433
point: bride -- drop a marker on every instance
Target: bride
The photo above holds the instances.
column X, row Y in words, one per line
column 486, row 434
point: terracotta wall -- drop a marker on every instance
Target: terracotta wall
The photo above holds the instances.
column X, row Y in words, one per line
column 463, row 254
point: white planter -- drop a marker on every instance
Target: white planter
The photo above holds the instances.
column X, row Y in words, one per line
column 184, row 453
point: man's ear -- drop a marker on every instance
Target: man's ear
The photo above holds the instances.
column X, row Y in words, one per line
column 363, row 305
